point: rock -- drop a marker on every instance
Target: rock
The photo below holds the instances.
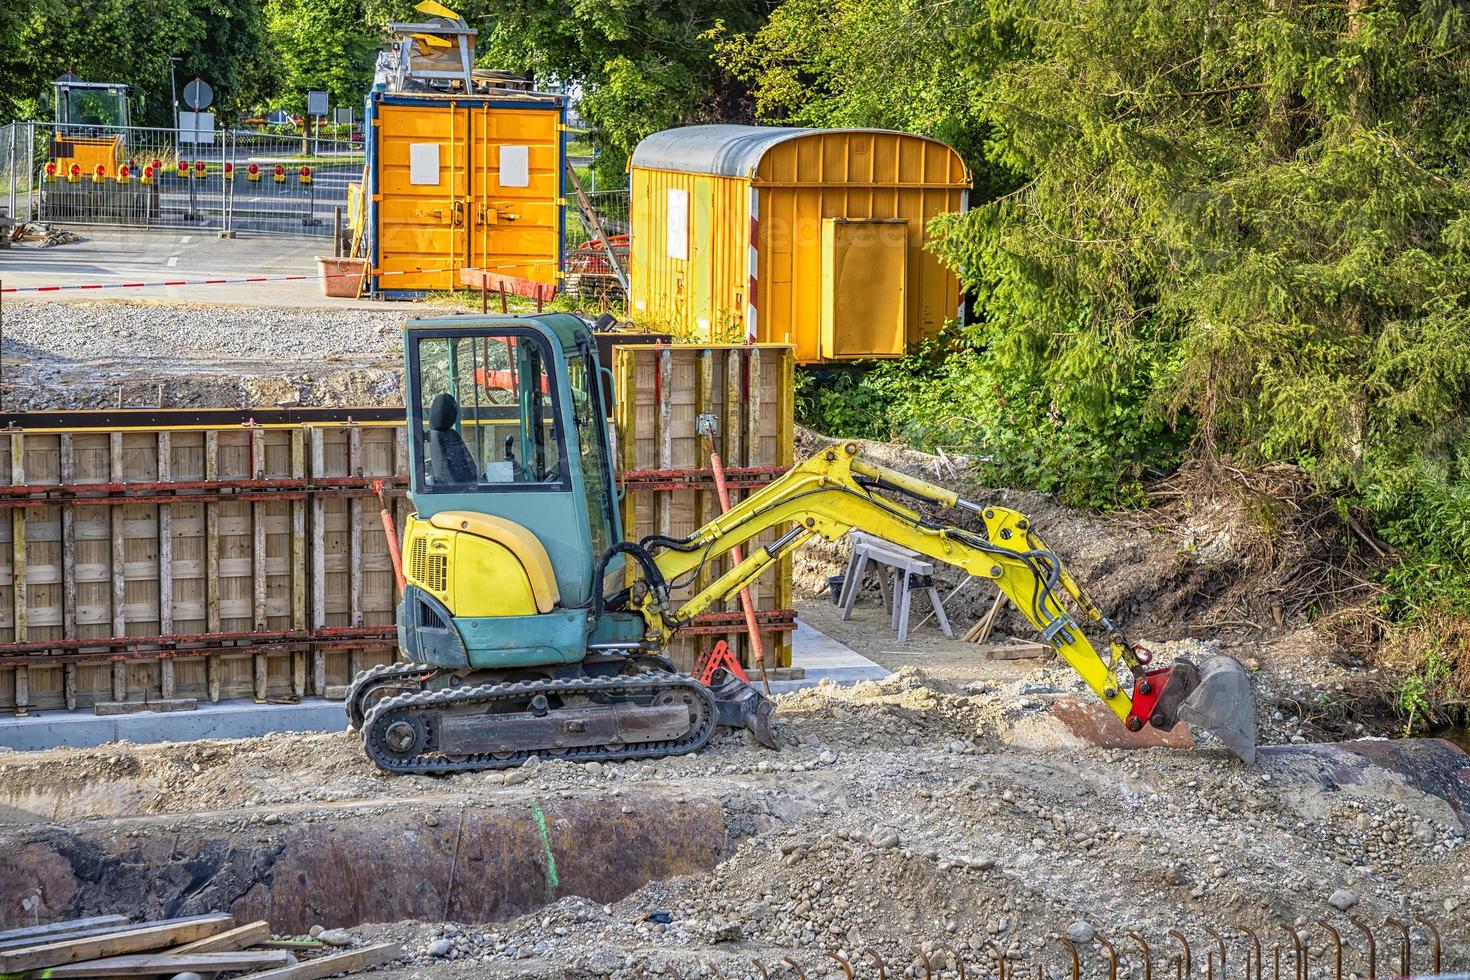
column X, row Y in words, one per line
column 1342, row 900
column 335, row 937
column 272, row 818
column 1424, row 833
column 729, row 932
column 1080, row 931
column 316, row 930
column 517, row 776
column 886, row 841
column 827, row 757
column 430, row 820
column 440, row 947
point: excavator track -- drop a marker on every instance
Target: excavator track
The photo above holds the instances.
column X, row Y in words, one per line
column 382, row 674
column 413, row 721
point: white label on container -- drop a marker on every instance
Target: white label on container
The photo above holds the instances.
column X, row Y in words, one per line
column 678, row 224
column 423, row 163
column 515, row 166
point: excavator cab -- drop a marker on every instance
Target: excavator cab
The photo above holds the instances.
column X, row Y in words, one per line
column 512, row 486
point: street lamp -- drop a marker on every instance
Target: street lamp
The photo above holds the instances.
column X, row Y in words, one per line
column 174, row 91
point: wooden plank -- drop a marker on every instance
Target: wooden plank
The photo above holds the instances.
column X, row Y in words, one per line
column 151, row 936
column 166, row 677
column 18, row 539
column 318, row 533
column 165, row 540
column 298, row 533
column 1018, row 650
column 211, row 539
column 258, row 572
column 351, row 962
column 169, row 964
column 119, row 542
column 29, row 934
column 22, row 681
column 354, row 547
column 663, row 420
column 68, row 541
column 240, row 937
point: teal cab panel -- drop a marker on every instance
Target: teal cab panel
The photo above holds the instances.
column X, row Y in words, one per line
column 506, row 418
column 500, row 642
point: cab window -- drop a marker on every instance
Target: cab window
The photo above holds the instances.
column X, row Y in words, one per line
column 485, row 414
column 589, row 418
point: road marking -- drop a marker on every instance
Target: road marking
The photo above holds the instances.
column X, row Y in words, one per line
column 185, row 239
column 173, row 260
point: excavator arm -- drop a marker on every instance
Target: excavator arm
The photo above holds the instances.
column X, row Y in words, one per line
column 836, row 491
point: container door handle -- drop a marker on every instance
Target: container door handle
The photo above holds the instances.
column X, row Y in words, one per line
column 459, row 214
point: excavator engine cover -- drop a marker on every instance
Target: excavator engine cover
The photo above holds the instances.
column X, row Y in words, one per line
column 1215, row 696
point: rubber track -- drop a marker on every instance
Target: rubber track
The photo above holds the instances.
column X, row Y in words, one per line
column 430, row 762
column 377, row 672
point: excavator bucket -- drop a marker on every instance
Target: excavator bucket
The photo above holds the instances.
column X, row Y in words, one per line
column 1221, row 703
column 742, row 706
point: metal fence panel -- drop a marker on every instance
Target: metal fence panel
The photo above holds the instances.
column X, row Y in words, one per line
column 230, row 180
column 16, row 170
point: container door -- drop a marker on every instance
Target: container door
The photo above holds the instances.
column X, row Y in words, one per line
column 515, row 210
column 864, row 287
column 423, row 214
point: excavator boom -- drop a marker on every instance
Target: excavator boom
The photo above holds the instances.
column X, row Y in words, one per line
column 837, row 490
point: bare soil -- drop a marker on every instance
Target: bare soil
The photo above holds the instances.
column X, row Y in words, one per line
column 919, row 811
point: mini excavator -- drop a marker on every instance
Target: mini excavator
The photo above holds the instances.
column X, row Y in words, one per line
column 529, row 626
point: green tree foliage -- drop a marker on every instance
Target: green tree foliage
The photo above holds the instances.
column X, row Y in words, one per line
column 1240, row 223
column 327, row 45
column 1246, row 214
column 129, row 41
column 887, row 64
column 641, row 65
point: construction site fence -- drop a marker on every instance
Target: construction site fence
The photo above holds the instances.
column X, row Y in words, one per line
column 158, row 557
column 590, row 264
column 224, row 181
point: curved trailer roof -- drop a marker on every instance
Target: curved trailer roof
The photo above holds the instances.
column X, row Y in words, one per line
column 727, row 151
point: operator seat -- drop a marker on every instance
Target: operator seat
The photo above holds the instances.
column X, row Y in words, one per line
column 449, row 459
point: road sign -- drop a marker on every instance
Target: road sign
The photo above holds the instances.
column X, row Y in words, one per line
column 198, row 94
column 342, row 116
column 196, row 127
column 316, row 103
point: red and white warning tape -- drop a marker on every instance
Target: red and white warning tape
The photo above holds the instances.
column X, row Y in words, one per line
column 206, row 282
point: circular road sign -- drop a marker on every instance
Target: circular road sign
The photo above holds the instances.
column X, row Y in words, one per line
column 198, row 94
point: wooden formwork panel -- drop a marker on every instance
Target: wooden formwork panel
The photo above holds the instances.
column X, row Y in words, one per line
column 249, row 560
column 171, row 547
column 662, row 392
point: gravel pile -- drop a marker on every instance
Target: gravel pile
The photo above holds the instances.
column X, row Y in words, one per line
column 62, row 332
column 161, row 355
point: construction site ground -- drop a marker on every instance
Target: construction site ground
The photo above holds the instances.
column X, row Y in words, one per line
column 963, row 806
column 917, row 811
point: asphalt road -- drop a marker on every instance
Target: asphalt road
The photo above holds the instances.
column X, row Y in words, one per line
column 114, row 256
